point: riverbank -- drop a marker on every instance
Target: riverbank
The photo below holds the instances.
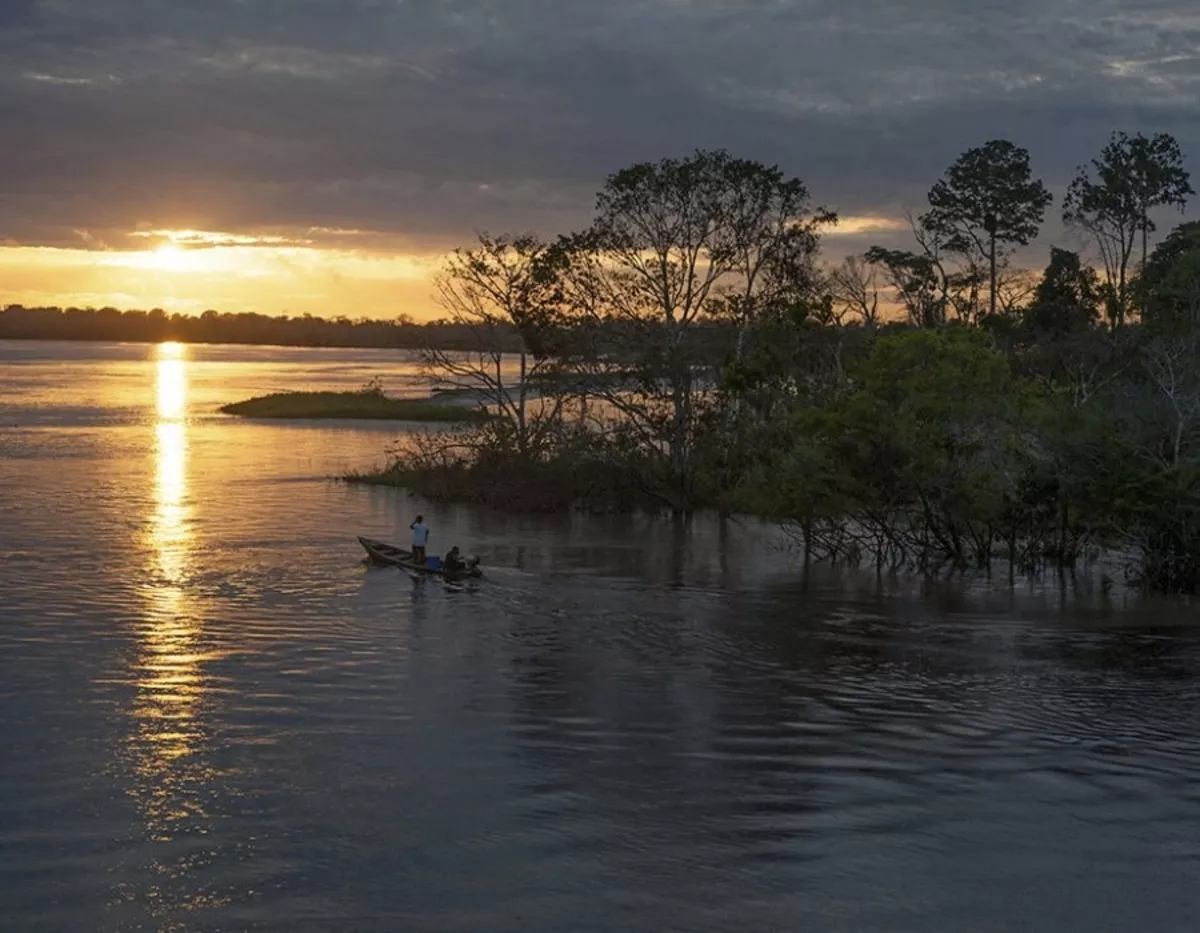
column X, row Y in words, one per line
column 353, row 405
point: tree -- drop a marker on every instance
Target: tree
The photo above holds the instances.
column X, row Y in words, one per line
column 1111, row 203
column 1170, row 364
column 676, row 245
column 854, row 287
column 1066, row 300
column 925, row 282
column 1015, row 288
column 928, row 448
column 501, row 293
column 919, row 282
column 1169, row 288
column 987, row 201
column 1149, row 482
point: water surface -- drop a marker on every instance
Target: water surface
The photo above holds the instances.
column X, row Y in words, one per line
column 215, row 718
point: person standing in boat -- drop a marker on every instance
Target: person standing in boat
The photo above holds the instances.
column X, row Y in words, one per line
column 420, row 537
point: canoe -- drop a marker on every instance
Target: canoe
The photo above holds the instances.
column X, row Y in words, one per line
column 383, row 553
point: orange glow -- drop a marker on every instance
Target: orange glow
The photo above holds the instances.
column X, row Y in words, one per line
column 191, row 271
column 853, row 225
column 323, row 271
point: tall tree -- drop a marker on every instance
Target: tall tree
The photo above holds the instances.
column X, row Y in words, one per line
column 674, row 244
column 1111, row 201
column 988, row 202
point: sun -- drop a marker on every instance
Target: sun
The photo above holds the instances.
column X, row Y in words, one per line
column 170, row 258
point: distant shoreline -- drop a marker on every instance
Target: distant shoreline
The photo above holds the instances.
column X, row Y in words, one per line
column 104, row 325
column 154, row 341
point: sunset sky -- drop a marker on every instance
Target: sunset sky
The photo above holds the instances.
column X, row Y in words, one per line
column 321, row 155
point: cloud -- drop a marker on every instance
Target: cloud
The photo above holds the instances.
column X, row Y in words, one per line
column 418, row 121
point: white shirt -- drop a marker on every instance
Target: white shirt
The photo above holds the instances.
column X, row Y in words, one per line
column 420, row 534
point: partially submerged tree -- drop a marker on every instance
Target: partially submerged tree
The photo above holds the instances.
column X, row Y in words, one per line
column 730, row 373
column 915, row 464
column 1111, row 200
column 675, row 247
column 502, row 293
column 987, row 203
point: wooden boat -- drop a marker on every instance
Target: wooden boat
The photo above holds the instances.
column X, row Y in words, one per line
column 381, row 552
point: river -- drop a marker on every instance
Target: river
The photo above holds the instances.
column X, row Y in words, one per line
column 214, row 717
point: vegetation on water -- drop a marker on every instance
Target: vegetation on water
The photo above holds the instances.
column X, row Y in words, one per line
column 369, row 402
column 931, row 407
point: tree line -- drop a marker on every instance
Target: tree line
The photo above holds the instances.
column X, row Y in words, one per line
column 110, row 324
column 690, row 349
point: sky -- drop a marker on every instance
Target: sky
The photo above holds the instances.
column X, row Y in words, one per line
column 321, row 156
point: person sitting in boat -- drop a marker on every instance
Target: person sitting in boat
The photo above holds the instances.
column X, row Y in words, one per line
column 453, row 561
column 420, row 537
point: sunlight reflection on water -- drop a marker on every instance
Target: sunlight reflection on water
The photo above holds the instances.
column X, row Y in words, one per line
column 168, row 729
column 170, row 531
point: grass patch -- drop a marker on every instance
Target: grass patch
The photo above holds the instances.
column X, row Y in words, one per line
column 367, row 405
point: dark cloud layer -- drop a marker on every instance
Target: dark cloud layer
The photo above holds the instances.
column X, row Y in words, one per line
column 425, row 119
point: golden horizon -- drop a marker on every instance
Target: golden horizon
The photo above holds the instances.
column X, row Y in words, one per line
column 325, row 272
column 186, row 275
